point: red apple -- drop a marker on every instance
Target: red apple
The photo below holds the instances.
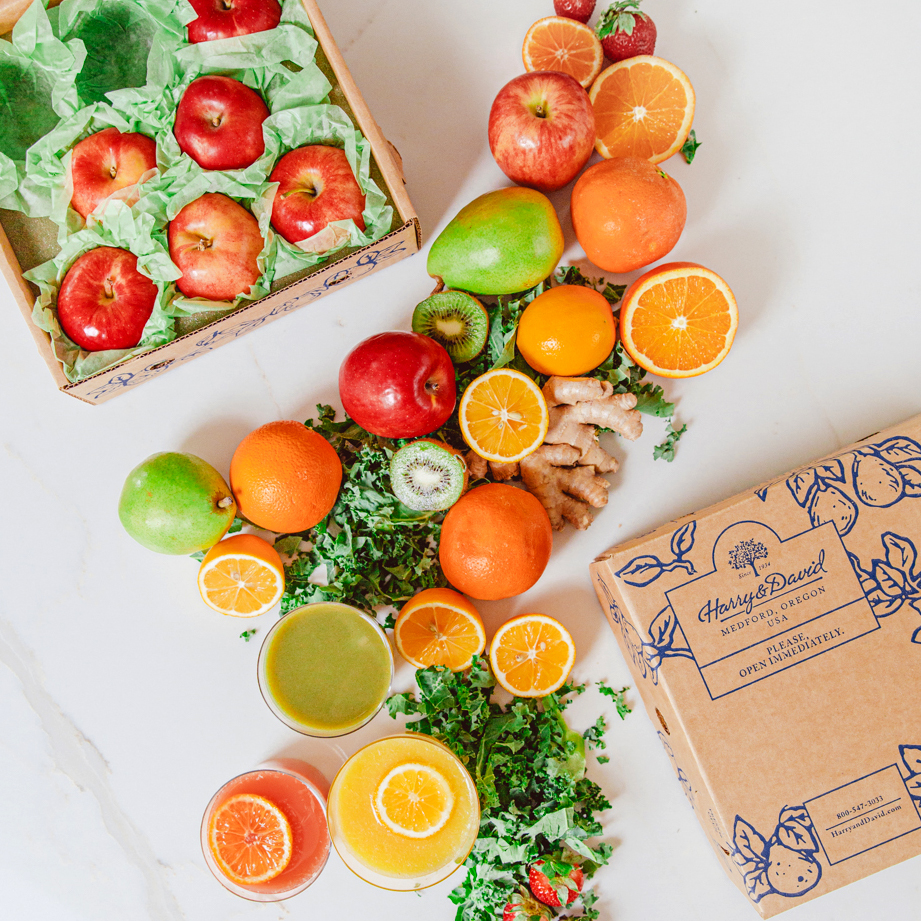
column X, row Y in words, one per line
column 104, row 301
column 398, row 385
column 106, row 162
column 228, row 18
column 215, row 243
column 316, row 186
column 542, row 129
column 219, row 123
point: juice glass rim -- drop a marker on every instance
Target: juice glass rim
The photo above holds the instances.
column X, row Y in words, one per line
column 422, row 737
column 277, row 710
column 267, row 767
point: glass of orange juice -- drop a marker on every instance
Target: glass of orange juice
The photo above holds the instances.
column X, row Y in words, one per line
column 237, row 830
column 403, row 812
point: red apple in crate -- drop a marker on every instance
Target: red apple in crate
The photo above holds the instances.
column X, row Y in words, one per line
column 228, row 18
column 398, row 384
column 106, row 162
column 316, row 186
column 215, row 243
column 542, row 129
column 219, row 123
column 104, row 302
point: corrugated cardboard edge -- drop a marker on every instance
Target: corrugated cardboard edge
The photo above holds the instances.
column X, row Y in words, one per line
column 106, row 384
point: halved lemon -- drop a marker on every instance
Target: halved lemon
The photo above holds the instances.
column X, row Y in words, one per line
column 250, row 839
column 414, row 800
column 242, row 575
column 532, row 655
column 503, row 415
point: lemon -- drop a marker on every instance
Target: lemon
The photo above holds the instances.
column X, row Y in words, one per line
column 414, row 800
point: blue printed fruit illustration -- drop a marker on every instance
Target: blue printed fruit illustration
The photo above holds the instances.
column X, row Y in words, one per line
column 876, row 481
column 830, row 504
column 791, row 872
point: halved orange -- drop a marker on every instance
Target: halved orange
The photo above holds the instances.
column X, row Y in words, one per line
column 250, row 839
column 439, row 626
column 503, row 415
column 678, row 320
column 564, row 45
column 532, row 655
column 644, row 107
column 242, row 575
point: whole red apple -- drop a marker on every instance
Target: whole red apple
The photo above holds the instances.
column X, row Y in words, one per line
column 216, row 244
column 106, row 162
column 219, row 123
column 316, row 186
column 104, row 301
column 228, row 18
column 398, row 384
column 542, row 129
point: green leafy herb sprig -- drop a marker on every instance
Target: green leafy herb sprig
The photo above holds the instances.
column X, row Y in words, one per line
column 529, row 768
column 371, row 550
column 618, row 368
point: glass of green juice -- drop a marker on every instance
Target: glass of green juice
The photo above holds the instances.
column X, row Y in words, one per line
column 325, row 669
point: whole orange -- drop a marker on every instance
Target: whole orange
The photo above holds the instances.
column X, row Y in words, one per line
column 495, row 542
column 627, row 213
column 567, row 330
column 285, row 477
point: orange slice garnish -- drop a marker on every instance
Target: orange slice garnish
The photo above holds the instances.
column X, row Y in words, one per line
column 250, row 839
column 644, row 107
column 414, row 800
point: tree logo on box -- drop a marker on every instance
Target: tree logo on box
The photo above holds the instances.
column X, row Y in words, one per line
column 747, row 553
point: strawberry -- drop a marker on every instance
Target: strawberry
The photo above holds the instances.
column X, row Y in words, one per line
column 522, row 906
column 551, row 879
column 625, row 32
column 575, row 9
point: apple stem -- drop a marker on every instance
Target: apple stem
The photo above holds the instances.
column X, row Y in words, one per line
column 440, row 286
column 540, row 112
column 109, row 287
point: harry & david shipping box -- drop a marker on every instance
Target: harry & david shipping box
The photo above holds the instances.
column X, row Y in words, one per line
column 775, row 639
column 27, row 242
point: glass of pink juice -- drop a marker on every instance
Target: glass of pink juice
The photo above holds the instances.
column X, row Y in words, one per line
column 299, row 791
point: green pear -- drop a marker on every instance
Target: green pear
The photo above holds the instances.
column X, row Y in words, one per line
column 176, row 503
column 502, row 242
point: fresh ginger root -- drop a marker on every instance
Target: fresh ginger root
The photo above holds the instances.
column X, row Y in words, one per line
column 563, row 473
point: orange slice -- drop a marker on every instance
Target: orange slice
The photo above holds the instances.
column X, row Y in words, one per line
column 439, row 626
column 503, row 415
column 250, row 839
column 414, row 800
column 678, row 320
column 242, row 575
column 564, row 45
column 644, row 107
column 532, row 655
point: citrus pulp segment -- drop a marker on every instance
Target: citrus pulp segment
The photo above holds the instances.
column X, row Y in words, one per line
column 644, row 107
column 439, row 626
column 242, row 575
column 557, row 43
column 678, row 320
column 250, row 839
column 414, row 800
column 503, row 415
column 532, row 655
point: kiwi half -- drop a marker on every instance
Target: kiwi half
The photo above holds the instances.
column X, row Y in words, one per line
column 428, row 476
column 455, row 319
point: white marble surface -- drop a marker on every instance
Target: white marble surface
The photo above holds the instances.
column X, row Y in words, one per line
column 125, row 703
